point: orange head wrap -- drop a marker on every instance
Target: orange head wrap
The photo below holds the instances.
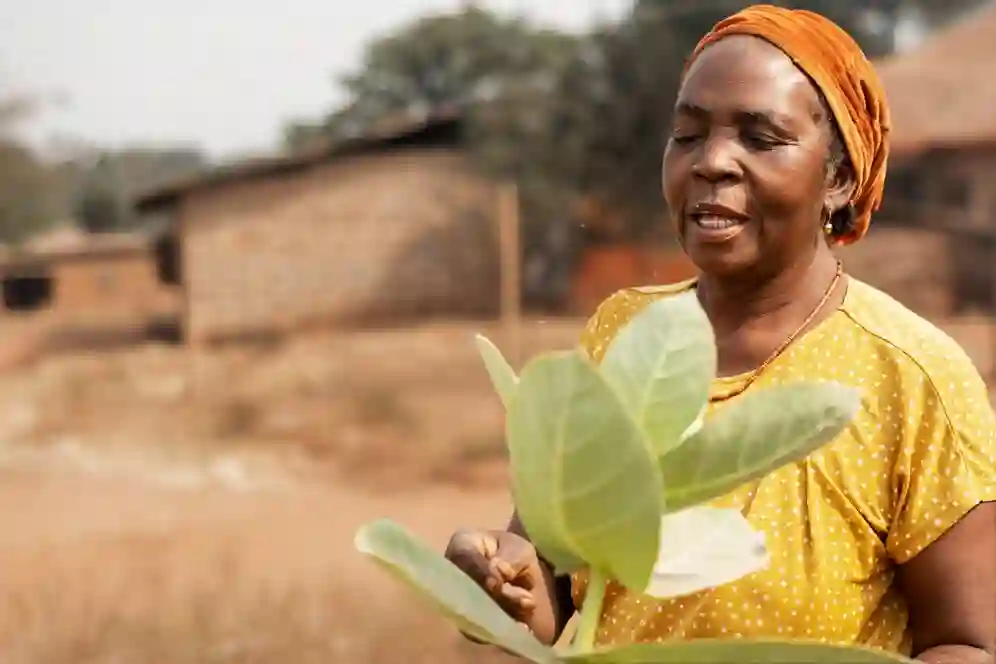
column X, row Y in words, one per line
column 832, row 60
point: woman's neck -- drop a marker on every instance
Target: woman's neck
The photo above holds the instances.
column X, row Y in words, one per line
column 773, row 302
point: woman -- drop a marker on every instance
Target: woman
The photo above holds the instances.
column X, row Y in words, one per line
column 886, row 537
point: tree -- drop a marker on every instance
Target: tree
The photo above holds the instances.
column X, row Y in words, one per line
column 13, row 111
column 300, row 135
column 109, row 180
column 101, row 205
column 81, row 182
column 940, row 13
column 25, row 207
column 449, row 59
column 26, row 203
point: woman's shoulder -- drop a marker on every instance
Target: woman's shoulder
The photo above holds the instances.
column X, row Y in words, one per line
column 616, row 310
column 896, row 326
column 928, row 407
column 921, row 349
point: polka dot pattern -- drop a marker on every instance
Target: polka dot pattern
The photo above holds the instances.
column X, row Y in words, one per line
column 919, row 455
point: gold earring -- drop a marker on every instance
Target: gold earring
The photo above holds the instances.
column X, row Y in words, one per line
column 827, row 222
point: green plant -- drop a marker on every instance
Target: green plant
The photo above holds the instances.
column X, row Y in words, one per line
column 611, row 466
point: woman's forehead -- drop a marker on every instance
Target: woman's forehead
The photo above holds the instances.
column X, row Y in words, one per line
column 746, row 73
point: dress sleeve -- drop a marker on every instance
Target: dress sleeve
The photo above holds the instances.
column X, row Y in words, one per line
column 610, row 317
column 599, row 330
column 947, row 460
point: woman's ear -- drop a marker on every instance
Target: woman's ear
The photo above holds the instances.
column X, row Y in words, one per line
column 840, row 187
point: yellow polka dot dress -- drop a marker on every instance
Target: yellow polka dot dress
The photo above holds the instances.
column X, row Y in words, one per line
column 919, row 455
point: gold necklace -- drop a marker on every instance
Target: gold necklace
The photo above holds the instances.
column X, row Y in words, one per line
column 785, row 344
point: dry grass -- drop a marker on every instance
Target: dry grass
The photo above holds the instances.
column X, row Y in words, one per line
column 146, row 575
column 225, row 619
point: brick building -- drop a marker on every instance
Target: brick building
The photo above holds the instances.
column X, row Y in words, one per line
column 69, row 290
column 77, row 278
column 943, row 160
column 386, row 226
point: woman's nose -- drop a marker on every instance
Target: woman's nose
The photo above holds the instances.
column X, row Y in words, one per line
column 717, row 159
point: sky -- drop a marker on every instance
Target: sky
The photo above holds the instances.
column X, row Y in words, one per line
column 220, row 74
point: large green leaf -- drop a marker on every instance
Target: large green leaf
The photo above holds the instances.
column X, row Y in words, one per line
column 503, row 378
column 584, row 480
column 662, row 364
column 452, row 592
column 737, row 651
column 755, row 434
column 704, row 547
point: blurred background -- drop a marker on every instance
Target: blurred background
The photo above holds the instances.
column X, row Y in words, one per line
column 245, row 246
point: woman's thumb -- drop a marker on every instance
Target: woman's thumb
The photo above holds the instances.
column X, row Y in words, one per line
column 514, row 558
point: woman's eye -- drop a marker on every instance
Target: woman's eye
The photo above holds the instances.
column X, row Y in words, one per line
column 761, row 141
column 683, row 139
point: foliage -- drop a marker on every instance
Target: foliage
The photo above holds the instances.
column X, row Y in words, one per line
column 451, row 59
column 26, row 206
column 109, row 180
column 93, row 187
column 101, row 206
column 611, row 467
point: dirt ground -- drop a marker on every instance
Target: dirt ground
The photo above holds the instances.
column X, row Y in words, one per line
column 159, row 505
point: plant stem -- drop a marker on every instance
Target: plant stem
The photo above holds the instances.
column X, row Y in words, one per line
column 591, row 612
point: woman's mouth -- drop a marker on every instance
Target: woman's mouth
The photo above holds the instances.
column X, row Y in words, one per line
column 715, row 222
column 715, row 228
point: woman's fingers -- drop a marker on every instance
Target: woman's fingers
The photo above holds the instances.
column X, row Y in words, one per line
column 472, row 552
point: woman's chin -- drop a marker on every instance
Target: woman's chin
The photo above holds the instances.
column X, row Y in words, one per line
column 720, row 260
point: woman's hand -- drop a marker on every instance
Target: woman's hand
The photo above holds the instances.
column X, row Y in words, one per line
column 508, row 568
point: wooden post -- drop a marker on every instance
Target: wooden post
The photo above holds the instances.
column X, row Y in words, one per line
column 511, row 270
column 991, row 373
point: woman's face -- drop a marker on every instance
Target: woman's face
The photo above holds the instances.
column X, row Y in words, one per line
column 745, row 168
